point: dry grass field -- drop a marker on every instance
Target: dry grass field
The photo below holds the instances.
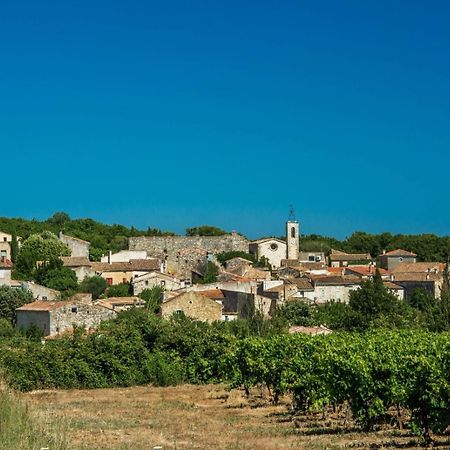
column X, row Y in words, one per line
column 198, row 417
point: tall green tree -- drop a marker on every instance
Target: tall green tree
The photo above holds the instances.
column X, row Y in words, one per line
column 95, row 285
column 12, row 298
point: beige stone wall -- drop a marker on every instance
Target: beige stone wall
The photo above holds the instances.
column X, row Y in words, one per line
column 5, row 249
column 77, row 247
column 154, row 279
column 193, row 305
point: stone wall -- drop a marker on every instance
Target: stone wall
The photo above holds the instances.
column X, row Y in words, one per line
column 78, row 247
column 193, row 305
column 80, row 314
column 41, row 319
column 160, row 246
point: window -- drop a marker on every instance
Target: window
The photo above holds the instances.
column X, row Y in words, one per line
column 124, row 280
column 163, row 282
column 109, row 281
column 273, row 246
column 44, row 297
column 146, row 282
column 292, row 232
column 311, row 258
column 74, row 309
column 5, row 239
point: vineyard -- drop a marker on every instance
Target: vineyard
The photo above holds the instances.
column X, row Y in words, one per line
column 401, row 378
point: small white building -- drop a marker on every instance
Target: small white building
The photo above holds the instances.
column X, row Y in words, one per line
column 152, row 279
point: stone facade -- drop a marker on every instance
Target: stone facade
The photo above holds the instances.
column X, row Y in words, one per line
column 150, row 280
column 58, row 317
column 40, row 292
column 77, row 247
column 292, row 237
column 193, row 305
column 161, row 246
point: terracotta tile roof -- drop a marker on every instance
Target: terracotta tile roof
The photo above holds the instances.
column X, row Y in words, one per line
column 44, row 305
column 365, row 270
column 337, row 255
column 214, row 294
column 420, row 267
column 416, row 276
column 76, row 261
column 398, row 252
column 303, row 284
column 111, row 302
column 332, row 280
column 134, row 265
column 393, row 286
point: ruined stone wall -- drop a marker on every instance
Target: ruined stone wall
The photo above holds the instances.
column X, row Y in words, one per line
column 159, row 246
column 77, row 247
column 80, row 314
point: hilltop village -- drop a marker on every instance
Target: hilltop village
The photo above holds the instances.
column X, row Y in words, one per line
column 210, row 278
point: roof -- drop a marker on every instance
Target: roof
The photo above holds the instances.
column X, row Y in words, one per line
column 214, row 294
column 303, row 284
column 399, row 252
column 155, row 274
column 6, row 264
column 365, row 270
column 75, row 261
column 190, row 294
column 131, row 266
column 416, row 276
column 261, row 241
column 419, row 267
column 121, row 301
column 337, row 255
column 239, row 259
column 393, row 286
column 44, row 305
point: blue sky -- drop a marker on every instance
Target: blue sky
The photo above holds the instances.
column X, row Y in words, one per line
column 174, row 114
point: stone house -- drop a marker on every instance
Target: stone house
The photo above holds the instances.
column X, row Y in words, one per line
column 80, row 265
column 40, row 292
column 152, row 279
column 193, row 305
column 54, row 318
column 327, row 288
column 275, row 250
column 5, row 245
column 125, row 272
column 122, row 303
column 342, row 259
column 78, row 247
column 186, row 262
column 390, row 260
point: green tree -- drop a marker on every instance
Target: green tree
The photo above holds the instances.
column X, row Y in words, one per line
column 43, row 247
column 14, row 248
column 210, row 275
column 55, row 276
column 119, row 290
column 10, row 299
column 205, row 230
column 95, row 285
column 153, row 298
column 59, row 219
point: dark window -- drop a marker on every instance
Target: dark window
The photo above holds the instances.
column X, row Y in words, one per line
column 109, row 281
column 293, row 232
column 74, row 309
column 311, row 258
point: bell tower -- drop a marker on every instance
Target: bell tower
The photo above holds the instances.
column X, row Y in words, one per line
column 292, row 236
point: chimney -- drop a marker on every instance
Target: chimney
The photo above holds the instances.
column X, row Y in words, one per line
column 110, row 257
column 392, row 277
column 384, row 251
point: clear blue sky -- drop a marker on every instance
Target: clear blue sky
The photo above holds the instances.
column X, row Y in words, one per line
column 179, row 113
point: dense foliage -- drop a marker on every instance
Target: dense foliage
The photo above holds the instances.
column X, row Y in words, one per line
column 102, row 237
column 10, row 299
column 205, row 230
column 428, row 247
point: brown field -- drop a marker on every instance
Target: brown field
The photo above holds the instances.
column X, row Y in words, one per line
column 198, row 417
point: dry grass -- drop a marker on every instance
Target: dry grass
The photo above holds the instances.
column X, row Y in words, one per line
column 197, row 417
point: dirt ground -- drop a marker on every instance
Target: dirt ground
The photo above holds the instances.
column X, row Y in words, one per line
column 198, row 417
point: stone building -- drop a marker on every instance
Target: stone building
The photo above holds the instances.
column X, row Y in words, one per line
column 78, row 247
column 125, row 272
column 275, row 250
column 5, row 245
column 152, row 279
column 54, row 318
column 124, row 256
column 193, row 305
column 80, row 265
column 389, row 260
column 161, row 246
column 342, row 259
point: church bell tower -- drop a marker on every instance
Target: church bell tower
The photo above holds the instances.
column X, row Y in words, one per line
column 292, row 236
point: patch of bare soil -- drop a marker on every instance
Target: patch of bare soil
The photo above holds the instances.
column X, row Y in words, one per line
column 201, row 417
